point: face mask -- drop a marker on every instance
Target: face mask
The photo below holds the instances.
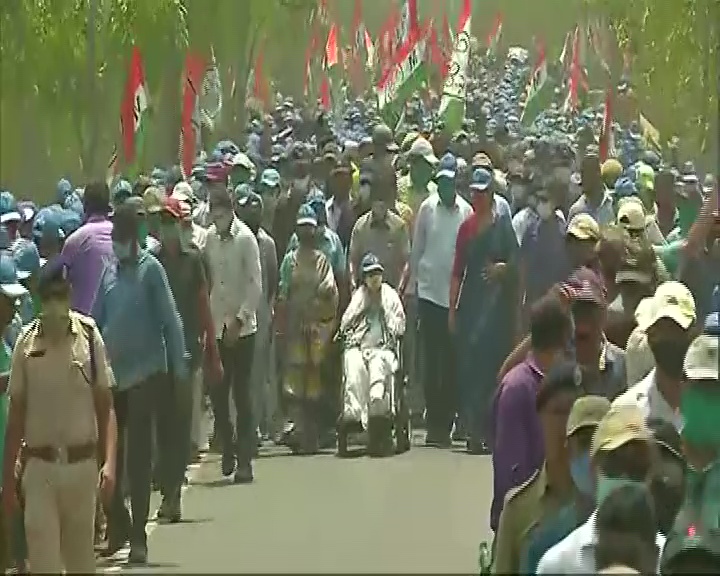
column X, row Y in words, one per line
column 301, row 184
column 544, row 210
column 581, row 475
column 699, row 409
column 142, row 234
column 446, row 191
column 607, row 485
column 379, row 209
column 222, row 220
column 374, row 282
column 306, row 236
column 122, row 250
column 186, row 236
column 56, row 311
column 669, row 356
column 364, row 192
column 518, row 193
column 169, row 232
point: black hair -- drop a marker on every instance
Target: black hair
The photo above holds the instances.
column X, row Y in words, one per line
column 549, row 324
column 96, row 199
column 126, row 220
column 626, row 529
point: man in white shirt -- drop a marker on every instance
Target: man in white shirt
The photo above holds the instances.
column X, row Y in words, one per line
column 431, row 258
column 621, row 453
column 234, row 260
column 667, row 324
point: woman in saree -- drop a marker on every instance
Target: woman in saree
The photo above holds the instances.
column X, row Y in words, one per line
column 307, row 309
column 484, row 306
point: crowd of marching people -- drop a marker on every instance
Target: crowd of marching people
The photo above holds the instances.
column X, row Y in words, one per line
column 501, row 286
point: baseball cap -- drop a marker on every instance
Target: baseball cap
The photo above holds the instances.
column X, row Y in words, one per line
column 621, row 424
column 9, row 284
column 482, row 160
column 383, row 136
column 631, row 214
column 702, row 361
column 371, row 263
column 645, row 177
column 306, row 215
column 242, row 160
column 27, row 210
column 183, row 192
column 447, row 167
column 27, row 258
column 587, row 412
column 421, row 148
column 481, row 179
column 584, row 227
column 270, row 178
column 251, row 199
column 8, row 208
column 671, row 300
column 153, row 200
column 175, row 208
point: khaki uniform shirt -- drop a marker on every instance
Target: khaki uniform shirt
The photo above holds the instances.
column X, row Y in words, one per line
column 388, row 239
column 524, row 507
column 55, row 379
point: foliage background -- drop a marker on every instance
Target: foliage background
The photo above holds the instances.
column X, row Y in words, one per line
column 63, row 65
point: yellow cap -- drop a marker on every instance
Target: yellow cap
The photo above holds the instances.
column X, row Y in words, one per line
column 622, row 424
column 672, row 300
column 584, row 227
column 586, row 412
column 645, row 177
column 153, row 199
column 631, row 214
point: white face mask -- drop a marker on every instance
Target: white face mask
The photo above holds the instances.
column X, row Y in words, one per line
column 301, row 184
column 544, row 209
column 364, row 192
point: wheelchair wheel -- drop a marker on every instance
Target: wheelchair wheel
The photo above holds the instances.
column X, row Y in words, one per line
column 403, row 425
column 342, row 442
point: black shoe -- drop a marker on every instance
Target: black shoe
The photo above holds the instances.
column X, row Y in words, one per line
column 227, row 466
column 170, row 510
column 138, row 553
column 117, row 537
column 243, row 474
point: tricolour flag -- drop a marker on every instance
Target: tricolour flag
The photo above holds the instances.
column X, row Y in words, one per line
column 540, row 90
column 133, row 113
column 402, row 80
column 211, row 100
column 493, row 39
column 452, row 103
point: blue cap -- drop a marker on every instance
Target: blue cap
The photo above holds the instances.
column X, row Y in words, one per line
column 371, row 263
column 447, row 167
column 27, row 258
column 9, row 284
column 227, row 147
column 48, row 223
column 625, row 187
column 306, row 215
column 481, row 179
column 270, row 178
column 242, row 190
column 62, row 189
column 8, row 208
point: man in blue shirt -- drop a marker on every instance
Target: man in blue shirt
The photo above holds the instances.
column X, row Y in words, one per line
column 143, row 334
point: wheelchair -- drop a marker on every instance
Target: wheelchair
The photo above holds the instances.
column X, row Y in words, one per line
column 385, row 436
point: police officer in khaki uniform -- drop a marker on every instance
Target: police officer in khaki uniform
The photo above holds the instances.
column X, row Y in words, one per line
column 61, row 407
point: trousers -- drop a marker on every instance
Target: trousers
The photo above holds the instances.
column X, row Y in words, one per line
column 60, row 516
column 439, row 374
column 368, row 376
column 238, row 437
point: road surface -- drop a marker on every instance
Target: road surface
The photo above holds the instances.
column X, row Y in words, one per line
column 421, row 512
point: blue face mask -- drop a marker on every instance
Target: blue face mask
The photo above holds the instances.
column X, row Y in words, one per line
column 122, row 250
column 607, row 485
column 581, row 474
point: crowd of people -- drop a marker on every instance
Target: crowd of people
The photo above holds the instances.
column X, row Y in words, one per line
column 500, row 286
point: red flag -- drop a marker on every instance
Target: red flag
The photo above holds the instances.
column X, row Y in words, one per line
column 386, row 40
column 190, row 122
column 325, row 100
column 135, row 79
column 331, row 48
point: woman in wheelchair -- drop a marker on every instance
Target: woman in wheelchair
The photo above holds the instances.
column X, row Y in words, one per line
column 370, row 329
column 307, row 308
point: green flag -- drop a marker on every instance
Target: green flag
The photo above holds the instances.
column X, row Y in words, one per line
column 452, row 104
column 540, row 92
column 396, row 87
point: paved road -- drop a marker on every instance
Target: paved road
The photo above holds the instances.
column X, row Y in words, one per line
column 423, row 512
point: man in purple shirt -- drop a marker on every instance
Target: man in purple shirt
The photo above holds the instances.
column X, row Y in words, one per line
column 518, row 439
column 87, row 250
